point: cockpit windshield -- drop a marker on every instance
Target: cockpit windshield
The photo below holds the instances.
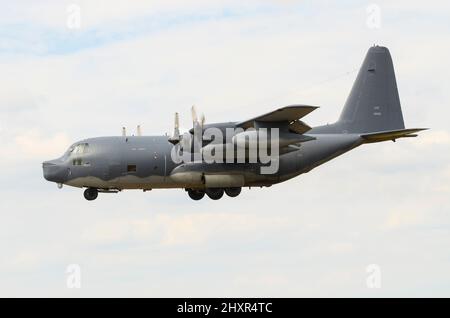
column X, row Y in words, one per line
column 78, row 149
column 81, row 149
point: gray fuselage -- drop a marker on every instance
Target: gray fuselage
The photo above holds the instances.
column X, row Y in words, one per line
column 145, row 162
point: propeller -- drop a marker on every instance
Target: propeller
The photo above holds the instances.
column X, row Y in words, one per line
column 202, row 119
column 195, row 120
column 176, row 131
column 196, row 123
column 197, row 130
column 194, row 115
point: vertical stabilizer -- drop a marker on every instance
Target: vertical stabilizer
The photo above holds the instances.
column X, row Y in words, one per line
column 373, row 104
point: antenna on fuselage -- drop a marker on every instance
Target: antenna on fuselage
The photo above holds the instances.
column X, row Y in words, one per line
column 138, row 130
column 176, row 131
column 124, row 132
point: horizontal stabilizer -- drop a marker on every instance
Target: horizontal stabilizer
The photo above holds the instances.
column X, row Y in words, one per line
column 285, row 114
column 391, row 135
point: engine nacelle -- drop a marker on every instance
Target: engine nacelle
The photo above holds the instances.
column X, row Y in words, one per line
column 200, row 180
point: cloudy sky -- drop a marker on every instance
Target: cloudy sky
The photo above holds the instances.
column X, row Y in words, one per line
column 125, row 63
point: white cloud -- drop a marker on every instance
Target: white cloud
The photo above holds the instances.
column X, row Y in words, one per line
column 341, row 247
column 431, row 138
column 33, row 144
column 24, row 260
column 182, row 230
column 398, row 219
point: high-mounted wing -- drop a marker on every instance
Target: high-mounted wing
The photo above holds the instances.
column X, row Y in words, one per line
column 289, row 114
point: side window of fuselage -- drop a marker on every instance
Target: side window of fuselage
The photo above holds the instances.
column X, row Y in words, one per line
column 131, row 168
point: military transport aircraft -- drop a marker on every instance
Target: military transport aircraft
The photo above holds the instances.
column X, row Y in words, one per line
column 238, row 152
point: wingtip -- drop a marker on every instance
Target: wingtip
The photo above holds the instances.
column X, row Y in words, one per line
column 301, row 105
column 418, row 129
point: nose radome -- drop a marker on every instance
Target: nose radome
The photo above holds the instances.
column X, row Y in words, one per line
column 47, row 167
column 48, row 163
column 53, row 171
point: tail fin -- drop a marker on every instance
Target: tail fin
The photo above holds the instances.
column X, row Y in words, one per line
column 373, row 104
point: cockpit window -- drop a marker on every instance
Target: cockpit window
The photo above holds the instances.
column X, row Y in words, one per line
column 76, row 152
column 70, row 150
column 79, row 149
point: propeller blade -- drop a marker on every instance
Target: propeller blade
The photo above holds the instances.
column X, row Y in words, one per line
column 176, row 131
column 194, row 114
column 177, row 121
column 202, row 119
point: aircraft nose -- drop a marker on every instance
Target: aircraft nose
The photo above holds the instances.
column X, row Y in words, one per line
column 54, row 171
